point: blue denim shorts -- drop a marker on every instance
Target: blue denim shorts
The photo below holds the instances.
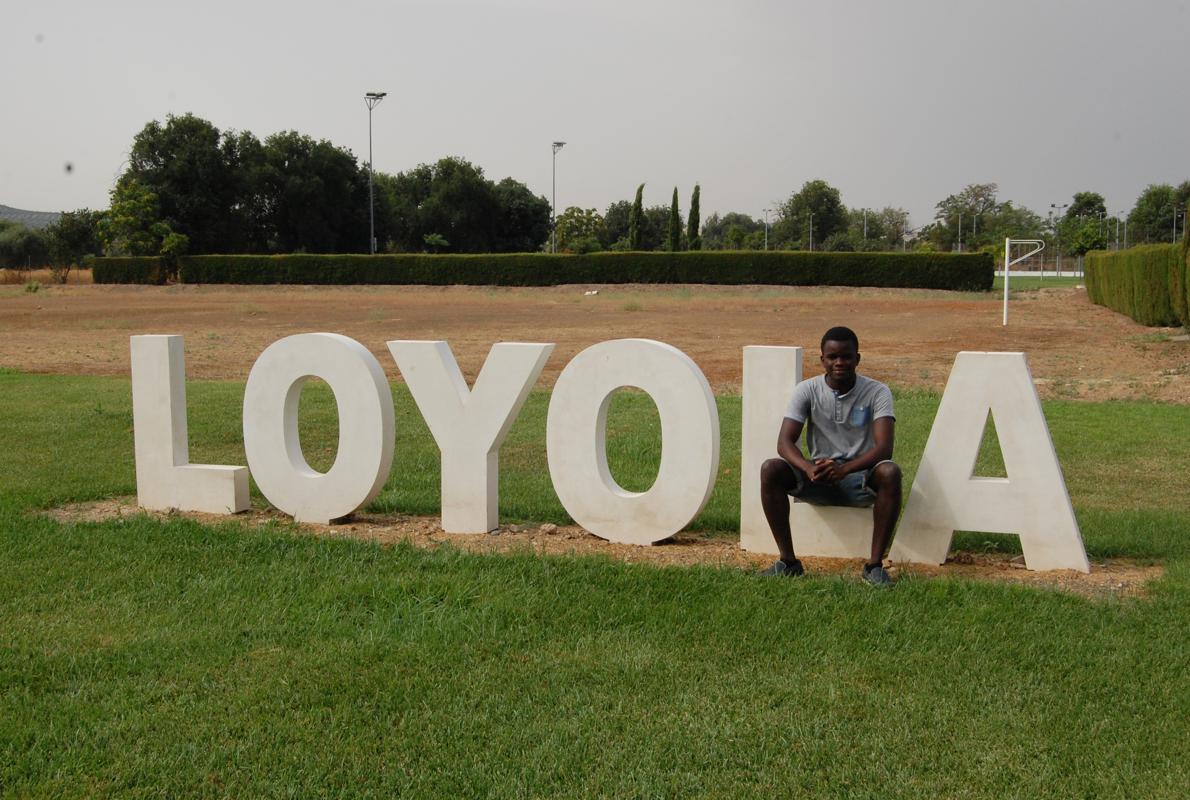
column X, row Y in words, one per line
column 852, row 491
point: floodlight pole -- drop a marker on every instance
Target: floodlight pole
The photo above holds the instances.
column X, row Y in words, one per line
column 372, row 99
column 554, row 199
column 766, row 228
column 811, row 231
column 960, row 231
column 1057, row 237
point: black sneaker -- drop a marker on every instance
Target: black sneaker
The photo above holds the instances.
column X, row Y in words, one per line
column 788, row 569
column 878, row 576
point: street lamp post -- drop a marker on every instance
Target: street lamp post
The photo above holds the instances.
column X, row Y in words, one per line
column 1058, row 233
column 372, row 99
column 554, row 199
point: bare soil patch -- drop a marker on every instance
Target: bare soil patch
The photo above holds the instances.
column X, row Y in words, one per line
column 909, row 338
column 1113, row 578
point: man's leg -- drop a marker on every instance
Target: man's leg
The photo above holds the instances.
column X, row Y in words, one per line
column 777, row 480
column 885, row 480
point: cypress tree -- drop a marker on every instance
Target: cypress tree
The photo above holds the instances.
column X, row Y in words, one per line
column 675, row 225
column 634, row 218
column 693, row 240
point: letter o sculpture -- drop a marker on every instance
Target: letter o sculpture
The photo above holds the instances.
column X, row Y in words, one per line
column 366, row 426
column 576, row 440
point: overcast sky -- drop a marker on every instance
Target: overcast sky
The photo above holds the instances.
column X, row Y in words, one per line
column 895, row 103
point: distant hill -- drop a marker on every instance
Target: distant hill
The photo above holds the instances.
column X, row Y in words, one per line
column 31, row 219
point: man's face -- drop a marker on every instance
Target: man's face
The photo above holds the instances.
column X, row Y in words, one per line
column 839, row 360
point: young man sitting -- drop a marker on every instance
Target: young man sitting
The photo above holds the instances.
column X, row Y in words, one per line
column 849, row 427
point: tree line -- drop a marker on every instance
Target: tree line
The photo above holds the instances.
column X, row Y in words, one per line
column 190, row 188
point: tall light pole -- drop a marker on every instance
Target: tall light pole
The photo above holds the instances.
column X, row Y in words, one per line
column 811, row 231
column 1177, row 212
column 554, row 200
column 766, row 228
column 1058, row 210
column 372, row 99
column 960, row 231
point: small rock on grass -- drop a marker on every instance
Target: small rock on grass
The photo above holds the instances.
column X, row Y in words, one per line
column 548, row 527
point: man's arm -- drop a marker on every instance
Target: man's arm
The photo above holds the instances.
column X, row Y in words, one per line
column 883, row 434
column 787, row 446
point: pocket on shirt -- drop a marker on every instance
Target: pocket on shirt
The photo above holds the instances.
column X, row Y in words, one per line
column 860, row 416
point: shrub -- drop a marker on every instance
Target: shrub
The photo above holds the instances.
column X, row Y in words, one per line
column 128, row 269
column 972, row 272
column 1140, row 282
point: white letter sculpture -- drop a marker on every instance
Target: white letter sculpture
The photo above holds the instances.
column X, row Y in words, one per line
column 165, row 478
column 470, row 426
column 1031, row 502
column 576, row 440
column 770, row 374
column 366, row 427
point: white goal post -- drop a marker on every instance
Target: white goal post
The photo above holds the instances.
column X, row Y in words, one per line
column 1037, row 244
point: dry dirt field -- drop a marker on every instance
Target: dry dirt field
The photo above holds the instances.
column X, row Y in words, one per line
column 909, row 338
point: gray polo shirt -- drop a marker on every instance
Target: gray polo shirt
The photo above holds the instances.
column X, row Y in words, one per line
column 839, row 425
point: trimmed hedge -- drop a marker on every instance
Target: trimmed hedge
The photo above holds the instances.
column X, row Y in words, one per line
column 129, row 269
column 971, row 272
column 1148, row 283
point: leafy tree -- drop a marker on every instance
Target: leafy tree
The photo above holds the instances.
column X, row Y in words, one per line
column 317, row 196
column 673, row 241
column 692, row 239
column 636, row 219
column 75, row 234
column 972, row 208
column 986, row 221
column 817, row 198
column 894, row 226
column 886, row 228
column 196, row 173
column 21, row 246
column 838, row 242
column 454, row 199
column 435, row 242
column 133, row 225
column 615, row 224
column 1086, row 204
column 522, row 218
column 654, row 228
column 1182, row 194
column 1083, row 234
column 580, row 230
column 730, row 231
column 1151, row 219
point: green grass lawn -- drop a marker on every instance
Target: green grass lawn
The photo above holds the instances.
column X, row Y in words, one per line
column 144, row 657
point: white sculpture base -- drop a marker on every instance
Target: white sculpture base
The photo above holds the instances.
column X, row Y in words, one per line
column 830, row 531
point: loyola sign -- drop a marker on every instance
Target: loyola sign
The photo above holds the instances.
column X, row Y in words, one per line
column 469, row 426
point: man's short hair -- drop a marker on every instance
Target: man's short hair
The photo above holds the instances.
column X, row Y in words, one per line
column 839, row 334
